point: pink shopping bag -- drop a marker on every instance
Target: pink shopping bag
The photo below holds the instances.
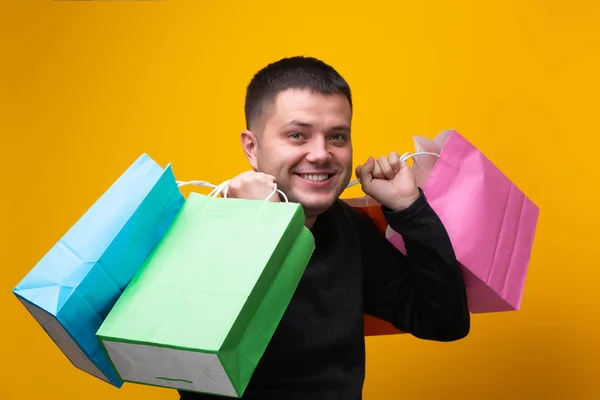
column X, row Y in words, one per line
column 491, row 223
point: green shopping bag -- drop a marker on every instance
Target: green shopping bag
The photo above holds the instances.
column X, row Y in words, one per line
column 201, row 311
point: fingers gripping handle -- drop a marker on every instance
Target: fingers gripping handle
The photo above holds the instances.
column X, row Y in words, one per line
column 403, row 158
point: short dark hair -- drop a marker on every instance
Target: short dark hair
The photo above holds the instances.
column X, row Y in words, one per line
column 296, row 72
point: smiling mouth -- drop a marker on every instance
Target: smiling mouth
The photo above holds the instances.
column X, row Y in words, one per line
column 317, row 178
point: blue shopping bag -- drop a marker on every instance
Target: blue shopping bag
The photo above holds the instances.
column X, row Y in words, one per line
column 71, row 290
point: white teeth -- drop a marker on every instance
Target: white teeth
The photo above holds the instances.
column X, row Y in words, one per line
column 315, row 178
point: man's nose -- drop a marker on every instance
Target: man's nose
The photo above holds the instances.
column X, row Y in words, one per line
column 318, row 153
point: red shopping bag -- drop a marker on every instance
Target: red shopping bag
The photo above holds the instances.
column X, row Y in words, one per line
column 372, row 210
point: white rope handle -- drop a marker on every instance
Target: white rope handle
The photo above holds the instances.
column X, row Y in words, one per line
column 195, row 183
column 403, row 158
column 222, row 188
column 198, row 183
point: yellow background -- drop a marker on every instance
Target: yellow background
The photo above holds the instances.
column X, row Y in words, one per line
column 89, row 86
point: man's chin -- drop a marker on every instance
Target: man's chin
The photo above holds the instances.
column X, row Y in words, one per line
column 314, row 207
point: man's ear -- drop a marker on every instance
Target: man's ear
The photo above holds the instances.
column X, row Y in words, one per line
column 250, row 144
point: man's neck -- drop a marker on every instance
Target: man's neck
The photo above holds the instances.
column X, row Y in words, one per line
column 309, row 222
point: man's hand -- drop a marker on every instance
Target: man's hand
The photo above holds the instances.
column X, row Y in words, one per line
column 389, row 181
column 252, row 185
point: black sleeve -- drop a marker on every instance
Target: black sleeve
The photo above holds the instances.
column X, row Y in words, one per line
column 422, row 293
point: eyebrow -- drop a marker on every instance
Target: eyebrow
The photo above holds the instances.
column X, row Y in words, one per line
column 302, row 124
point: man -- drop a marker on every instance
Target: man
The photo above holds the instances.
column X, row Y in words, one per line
column 298, row 115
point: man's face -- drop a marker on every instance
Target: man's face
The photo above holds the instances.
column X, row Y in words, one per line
column 305, row 143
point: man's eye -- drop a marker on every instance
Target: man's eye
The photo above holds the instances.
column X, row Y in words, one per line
column 296, row 135
column 338, row 137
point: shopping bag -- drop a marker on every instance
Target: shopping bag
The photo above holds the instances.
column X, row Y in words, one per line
column 490, row 221
column 371, row 209
column 199, row 314
column 72, row 288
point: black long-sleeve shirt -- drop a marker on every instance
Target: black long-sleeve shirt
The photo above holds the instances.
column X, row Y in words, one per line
column 318, row 349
